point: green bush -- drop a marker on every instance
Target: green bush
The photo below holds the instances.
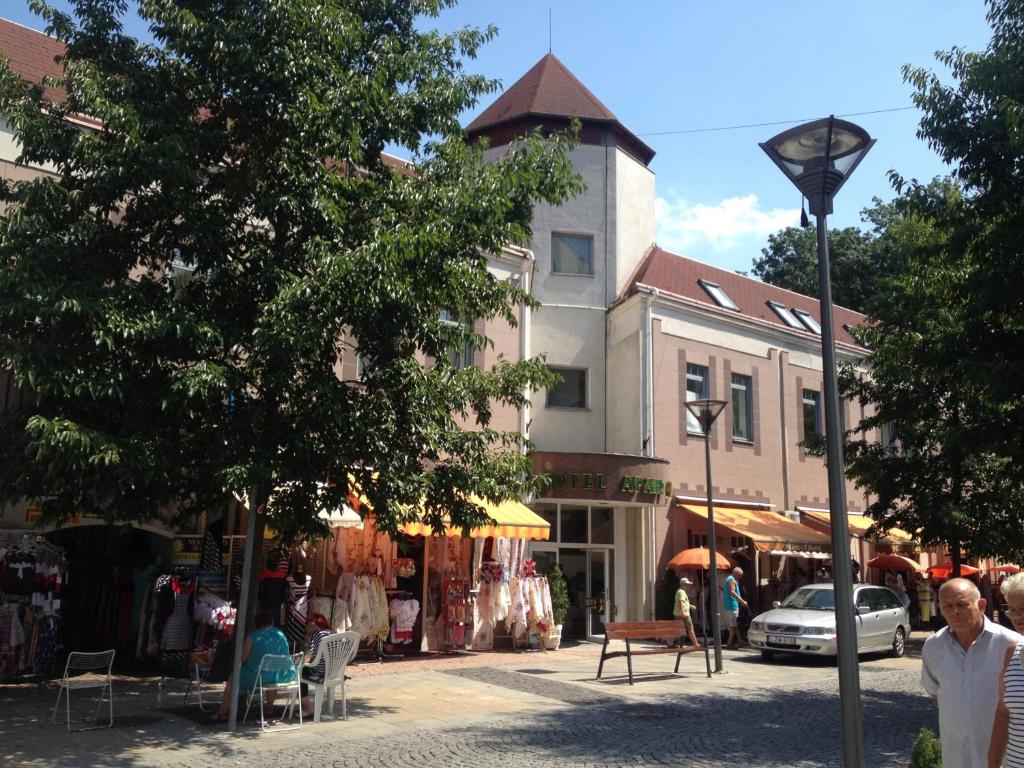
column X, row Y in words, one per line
column 559, row 592
column 927, row 752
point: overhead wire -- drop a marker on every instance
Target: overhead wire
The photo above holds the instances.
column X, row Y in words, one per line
column 762, row 125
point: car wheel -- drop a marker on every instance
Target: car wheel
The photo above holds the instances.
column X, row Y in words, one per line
column 899, row 643
column 767, row 655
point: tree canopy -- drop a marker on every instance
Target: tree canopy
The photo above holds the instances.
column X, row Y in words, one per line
column 945, row 336
column 177, row 294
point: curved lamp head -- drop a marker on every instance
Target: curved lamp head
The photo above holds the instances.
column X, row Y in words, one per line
column 819, row 157
column 705, row 412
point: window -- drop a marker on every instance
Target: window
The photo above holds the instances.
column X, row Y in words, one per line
column 785, row 315
column 812, row 413
column 571, row 392
column 887, row 437
column 808, row 320
column 696, row 389
column 460, row 352
column 572, row 254
column 721, row 297
column 742, row 408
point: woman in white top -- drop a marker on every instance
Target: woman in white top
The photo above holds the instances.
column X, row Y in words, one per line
column 1006, row 748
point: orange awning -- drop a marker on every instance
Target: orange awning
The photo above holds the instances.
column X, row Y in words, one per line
column 512, row 520
column 859, row 525
column 770, row 531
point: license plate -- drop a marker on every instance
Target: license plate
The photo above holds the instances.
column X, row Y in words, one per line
column 780, row 640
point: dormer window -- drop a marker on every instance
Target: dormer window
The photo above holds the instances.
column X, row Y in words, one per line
column 808, row 320
column 785, row 315
column 721, row 298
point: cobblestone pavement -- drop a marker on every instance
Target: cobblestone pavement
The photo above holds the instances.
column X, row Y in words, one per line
column 542, row 710
column 797, row 727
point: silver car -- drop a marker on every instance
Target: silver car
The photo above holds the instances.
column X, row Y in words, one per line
column 805, row 622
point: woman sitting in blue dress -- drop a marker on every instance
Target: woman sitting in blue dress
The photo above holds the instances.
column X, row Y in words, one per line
column 264, row 639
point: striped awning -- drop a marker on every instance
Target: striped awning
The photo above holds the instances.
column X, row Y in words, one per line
column 770, row 531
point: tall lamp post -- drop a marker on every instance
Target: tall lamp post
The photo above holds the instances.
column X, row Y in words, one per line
column 818, row 157
column 705, row 412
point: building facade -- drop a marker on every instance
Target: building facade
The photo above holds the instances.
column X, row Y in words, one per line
column 636, row 331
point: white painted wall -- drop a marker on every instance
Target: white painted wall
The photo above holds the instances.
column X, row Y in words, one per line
column 574, row 338
column 632, row 218
column 624, row 378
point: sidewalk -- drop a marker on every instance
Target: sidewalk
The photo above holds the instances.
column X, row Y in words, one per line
column 390, row 699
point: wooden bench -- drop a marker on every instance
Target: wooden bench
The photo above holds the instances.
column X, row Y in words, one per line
column 666, row 631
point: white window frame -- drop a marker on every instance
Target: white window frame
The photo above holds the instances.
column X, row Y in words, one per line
column 586, row 389
column 718, row 294
column 808, row 320
column 805, row 401
column 786, row 315
column 574, row 236
column 692, row 425
column 746, row 391
column 460, row 358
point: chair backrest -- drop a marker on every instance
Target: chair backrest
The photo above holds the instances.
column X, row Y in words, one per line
column 336, row 651
column 275, row 663
column 80, row 663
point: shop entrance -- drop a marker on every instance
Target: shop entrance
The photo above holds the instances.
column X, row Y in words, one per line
column 582, row 543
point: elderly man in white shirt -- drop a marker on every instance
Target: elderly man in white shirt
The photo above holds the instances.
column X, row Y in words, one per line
column 961, row 667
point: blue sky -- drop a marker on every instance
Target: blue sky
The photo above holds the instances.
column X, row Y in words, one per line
column 683, row 65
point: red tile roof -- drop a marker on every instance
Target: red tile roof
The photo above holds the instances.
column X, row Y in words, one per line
column 549, row 89
column 31, row 54
column 679, row 276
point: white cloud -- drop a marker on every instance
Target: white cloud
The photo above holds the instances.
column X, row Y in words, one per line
column 682, row 225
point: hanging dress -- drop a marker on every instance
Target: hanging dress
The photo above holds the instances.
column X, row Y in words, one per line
column 298, row 603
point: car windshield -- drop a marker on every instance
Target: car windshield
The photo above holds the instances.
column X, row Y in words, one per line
column 812, row 599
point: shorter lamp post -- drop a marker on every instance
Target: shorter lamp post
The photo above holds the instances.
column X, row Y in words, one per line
column 705, row 412
column 818, row 157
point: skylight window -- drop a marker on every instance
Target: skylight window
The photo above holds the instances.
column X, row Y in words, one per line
column 721, row 297
column 785, row 315
column 808, row 320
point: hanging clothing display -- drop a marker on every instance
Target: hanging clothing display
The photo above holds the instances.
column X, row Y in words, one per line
column 33, row 575
column 295, row 626
column 403, row 618
column 334, row 609
column 369, row 608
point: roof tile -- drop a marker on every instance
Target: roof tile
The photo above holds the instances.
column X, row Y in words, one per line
column 680, row 276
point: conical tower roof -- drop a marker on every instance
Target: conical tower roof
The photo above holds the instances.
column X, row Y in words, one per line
column 548, row 96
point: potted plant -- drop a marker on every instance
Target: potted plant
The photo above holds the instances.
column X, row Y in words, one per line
column 559, row 604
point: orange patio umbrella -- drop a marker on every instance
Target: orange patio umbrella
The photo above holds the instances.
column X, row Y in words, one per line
column 945, row 571
column 699, row 558
column 1005, row 569
column 893, row 562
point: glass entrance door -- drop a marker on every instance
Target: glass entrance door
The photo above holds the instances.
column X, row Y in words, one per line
column 599, row 592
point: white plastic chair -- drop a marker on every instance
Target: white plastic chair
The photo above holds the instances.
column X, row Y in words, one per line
column 82, row 671
column 274, row 663
column 335, row 651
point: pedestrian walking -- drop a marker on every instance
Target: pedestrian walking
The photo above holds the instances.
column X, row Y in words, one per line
column 961, row 666
column 731, row 602
column 1007, row 746
column 681, row 609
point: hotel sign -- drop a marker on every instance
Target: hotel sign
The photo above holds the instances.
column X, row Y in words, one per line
column 646, row 485
column 607, row 477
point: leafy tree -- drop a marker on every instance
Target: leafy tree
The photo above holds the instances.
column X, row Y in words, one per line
column 946, row 337
column 178, row 293
column 790, row 261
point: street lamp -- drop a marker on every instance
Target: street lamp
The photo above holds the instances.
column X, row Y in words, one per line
column 705, row 412
column 818, row 158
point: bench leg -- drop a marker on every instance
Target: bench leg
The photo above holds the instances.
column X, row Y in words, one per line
column 679, row 658
column 707, row 658
column 629, row 661
column 604, row 650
